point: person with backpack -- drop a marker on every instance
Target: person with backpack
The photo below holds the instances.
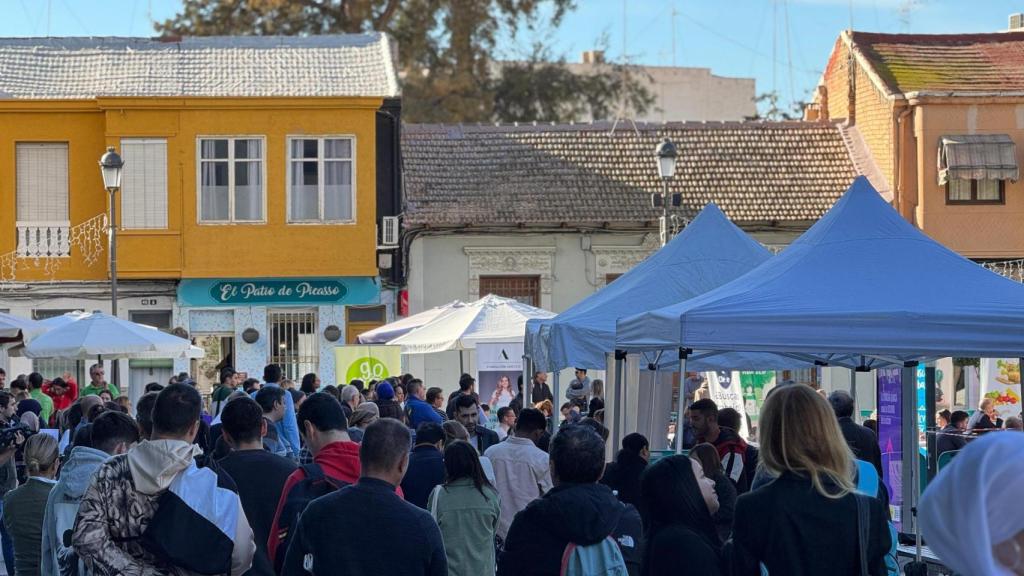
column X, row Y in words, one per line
column 335, row 465
column 578, row 527
column 466, row 510
column 739, row 460
column 140, row 514
column 112, row 433
column 259, row 474
column 367, row 529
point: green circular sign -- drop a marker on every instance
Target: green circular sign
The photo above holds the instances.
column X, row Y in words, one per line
column 366, row 369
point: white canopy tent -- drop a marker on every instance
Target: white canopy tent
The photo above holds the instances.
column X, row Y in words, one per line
column 489, row 319
column 100, row 335
column 17, row 329
column 388, row 332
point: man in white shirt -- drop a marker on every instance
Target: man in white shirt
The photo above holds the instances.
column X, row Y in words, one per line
column 506, row 422
column 520, row 468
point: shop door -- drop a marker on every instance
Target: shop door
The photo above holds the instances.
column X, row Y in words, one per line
column 220, row 353
column 359, row 319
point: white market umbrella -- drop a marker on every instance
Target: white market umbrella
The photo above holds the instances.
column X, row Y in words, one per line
column 16, row 328
column 384, row 334
column 101, row 335
column 490, row 319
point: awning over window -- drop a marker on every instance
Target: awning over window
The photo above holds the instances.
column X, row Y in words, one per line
column 977, row 157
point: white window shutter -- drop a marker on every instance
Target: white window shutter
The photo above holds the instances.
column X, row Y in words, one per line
column 42, row 182
column 144, row 184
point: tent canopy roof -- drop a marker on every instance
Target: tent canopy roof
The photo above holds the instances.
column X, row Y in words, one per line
column 861, row 285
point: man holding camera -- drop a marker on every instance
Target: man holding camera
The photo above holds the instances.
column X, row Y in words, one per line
column 8, row 473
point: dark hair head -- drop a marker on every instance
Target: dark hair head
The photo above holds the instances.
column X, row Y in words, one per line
column 324, row 412
column 958, row 417
column 530, row 420
column 332, row 390
column 429, row 433
column 502, row 412
column 35, row 380
column 414, row 386
column 297, row 396
column 577, row 455
column 944, row 414
column 268, row 396
column 153, row 387
column 113, row 428
column 454, row 431
column 72, row 417
column 708, row 457
column 385, row 443
column 462, row 461
column 176, row 410
column 250, row 384
column 729, row 418
column 272, row 373
column 242, row 419
column 465, row 401
column 19, row 383
column 707, row 408
column 842, row 403
column 308, row 383
column 635, row 442
column 115, row 406
column 670, row 496
column 466, row 382
column 58, row 382
column 433, row 393
column 596, row 426
column 226, row 374
column 359, row 384
column 144, row 412
column 83, row 436
column 6, row 398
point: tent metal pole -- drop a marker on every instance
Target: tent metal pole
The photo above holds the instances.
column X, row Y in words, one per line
column 528, row 369
column 679, row 403
column 555, row 412
column 853, row 394
column 462, row 369
column 620, row 355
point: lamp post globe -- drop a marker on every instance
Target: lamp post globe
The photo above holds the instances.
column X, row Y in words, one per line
column 111, row 166
column 666, row 154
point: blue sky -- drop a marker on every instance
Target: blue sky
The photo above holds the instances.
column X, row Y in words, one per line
column 732, row 37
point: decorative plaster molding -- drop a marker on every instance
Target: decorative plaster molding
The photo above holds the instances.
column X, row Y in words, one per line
column 501, row 261
column 621, row 259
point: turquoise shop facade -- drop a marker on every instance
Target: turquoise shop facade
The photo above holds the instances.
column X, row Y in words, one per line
column 250, row 322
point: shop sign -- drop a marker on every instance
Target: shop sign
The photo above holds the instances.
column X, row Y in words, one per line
column 269, row 291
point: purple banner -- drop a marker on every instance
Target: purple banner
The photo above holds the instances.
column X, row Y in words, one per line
column 890, row 437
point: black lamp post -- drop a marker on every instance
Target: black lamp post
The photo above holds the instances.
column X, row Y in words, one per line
column 111, row 165
column 666, row 155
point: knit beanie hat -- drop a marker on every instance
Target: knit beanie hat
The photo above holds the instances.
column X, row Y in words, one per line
column 385, row 391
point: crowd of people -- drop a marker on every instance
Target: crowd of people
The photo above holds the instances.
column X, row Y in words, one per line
column 264, row 477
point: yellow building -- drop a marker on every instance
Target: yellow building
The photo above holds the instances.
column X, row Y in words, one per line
column 256, row 172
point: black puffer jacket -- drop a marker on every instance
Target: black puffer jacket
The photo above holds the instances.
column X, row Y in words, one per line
column 581, row 513
column 623, row 476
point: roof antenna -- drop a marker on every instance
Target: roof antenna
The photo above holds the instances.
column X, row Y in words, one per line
column 621, row 114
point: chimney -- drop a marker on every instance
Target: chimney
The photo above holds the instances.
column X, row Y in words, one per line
column 1016, row 21
column 593, row 57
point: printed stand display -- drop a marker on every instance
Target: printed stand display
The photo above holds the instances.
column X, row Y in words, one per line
column 499, row 365
column 366, row 363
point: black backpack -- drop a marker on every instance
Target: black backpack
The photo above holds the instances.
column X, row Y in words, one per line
column 313, row 486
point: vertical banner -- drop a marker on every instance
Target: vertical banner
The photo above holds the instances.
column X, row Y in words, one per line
column 1000, row 381
column 922, row 405
column 755, row 385
column 498, row 367
column 725, row 391
column 366, row 363
column 890, row 437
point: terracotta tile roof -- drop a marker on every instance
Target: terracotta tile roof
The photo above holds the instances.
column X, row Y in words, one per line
column 904, row 63
column 500, row 175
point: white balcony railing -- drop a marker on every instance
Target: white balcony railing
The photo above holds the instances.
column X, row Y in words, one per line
column 44, row 239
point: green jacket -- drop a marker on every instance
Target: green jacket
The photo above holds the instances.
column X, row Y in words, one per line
column 47, row 403
column 91, row 390
column 468, row 522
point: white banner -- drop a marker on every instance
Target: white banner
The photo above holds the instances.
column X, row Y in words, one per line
column 727, row 393
column 499, row 365
column 1000, row 381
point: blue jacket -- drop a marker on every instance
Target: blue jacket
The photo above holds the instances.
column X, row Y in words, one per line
column 288, row 428
column 62, row 508
column 426, row 470
column 418, row 411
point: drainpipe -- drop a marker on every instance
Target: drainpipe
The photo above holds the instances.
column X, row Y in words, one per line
column 898, row 168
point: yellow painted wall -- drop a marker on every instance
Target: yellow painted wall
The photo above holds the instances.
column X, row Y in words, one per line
column 187, row 249
column 975, row 231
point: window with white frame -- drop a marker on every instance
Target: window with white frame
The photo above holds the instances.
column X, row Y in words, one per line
column 42, row 181
column 320, row 180
column 231, row 179
column 144, row 183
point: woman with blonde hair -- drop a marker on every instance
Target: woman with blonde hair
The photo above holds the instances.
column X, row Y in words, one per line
column 25, row 506
column 807, row 520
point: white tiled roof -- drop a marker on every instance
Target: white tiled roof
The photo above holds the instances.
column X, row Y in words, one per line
column 223, row 66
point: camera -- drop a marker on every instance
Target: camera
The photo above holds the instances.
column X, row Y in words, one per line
column 8, row 436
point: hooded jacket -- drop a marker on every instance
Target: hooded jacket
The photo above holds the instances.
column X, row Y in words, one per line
column 583, row 514
column 62, row 507
column 120, row 504
column 623, row 476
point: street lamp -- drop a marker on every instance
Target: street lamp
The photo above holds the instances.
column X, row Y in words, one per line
column 666, row 156
column 111, row 165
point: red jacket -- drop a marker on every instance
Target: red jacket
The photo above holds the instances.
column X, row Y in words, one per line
column 64, row 401
column 339, row 460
